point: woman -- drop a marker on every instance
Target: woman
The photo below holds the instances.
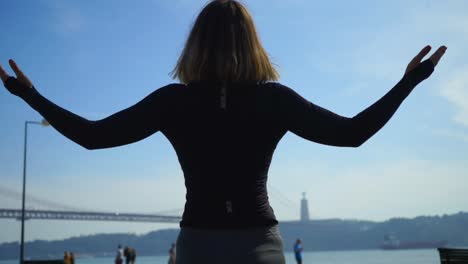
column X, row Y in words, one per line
column 224, row 120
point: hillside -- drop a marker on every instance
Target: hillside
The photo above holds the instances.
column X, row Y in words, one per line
column 331, row 234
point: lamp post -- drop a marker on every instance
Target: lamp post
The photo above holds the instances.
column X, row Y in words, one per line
column 26, row 123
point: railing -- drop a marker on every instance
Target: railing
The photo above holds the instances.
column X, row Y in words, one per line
column 453, row 255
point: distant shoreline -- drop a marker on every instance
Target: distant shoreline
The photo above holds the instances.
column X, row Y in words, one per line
column 318, row 236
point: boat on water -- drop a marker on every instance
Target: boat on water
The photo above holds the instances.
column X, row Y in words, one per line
column 390, row 241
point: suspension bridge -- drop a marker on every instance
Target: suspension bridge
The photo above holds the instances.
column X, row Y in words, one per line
column 49, row 210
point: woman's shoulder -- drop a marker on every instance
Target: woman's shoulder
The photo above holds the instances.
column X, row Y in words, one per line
column 277, row 88
column 273, row 88
column 174, row 87
column 168, row 89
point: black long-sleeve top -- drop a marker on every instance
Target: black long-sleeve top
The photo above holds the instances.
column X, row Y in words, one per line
column 224, row 135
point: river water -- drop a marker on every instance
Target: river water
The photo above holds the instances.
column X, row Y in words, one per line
column 426, row 256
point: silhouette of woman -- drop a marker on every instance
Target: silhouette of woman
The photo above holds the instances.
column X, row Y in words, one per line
column 224, row 120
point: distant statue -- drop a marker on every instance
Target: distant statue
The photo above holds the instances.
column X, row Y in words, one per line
column 298, row 251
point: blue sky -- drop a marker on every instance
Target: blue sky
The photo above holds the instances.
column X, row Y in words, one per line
column 96, row 58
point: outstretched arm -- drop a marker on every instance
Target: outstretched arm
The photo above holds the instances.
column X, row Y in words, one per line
column 125, row 127
column 315, row 123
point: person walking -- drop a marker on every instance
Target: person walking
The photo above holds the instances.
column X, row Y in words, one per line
column 126, row 253
column 130, row 255
column 224, row 119
column 119, row 255
column 72, row 258
column 133, row 255
column 172, row 254
column 298, row 251
column 66, row 258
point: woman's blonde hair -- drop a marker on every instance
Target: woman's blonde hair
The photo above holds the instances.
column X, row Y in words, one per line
column 224, row 46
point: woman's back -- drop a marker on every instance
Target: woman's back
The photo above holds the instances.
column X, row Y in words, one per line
column 224, row 142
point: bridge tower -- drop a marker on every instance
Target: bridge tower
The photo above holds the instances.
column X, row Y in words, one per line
column 304, row 209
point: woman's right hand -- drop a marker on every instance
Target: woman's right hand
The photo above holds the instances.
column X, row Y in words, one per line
column 18, row 86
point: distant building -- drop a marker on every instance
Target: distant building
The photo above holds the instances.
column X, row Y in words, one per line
column 304, row 209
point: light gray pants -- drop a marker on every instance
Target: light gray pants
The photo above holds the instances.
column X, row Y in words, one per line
column 241, row 246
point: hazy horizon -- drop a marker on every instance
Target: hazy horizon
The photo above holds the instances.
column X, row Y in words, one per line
column 176, row 226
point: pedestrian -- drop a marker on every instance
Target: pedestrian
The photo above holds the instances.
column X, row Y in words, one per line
column 119, row 255
column 66, row 258
column 298, row 251
column 72, row 258
column 130, row 255
column 133, row 256
column 127, row 254
column 225, row 119
column 172, row 254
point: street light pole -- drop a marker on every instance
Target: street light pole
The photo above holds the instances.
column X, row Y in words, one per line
column 23, row 202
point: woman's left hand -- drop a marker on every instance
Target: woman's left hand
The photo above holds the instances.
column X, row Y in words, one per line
column 435, row 58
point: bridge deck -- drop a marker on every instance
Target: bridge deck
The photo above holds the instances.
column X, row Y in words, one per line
column 87, row 216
